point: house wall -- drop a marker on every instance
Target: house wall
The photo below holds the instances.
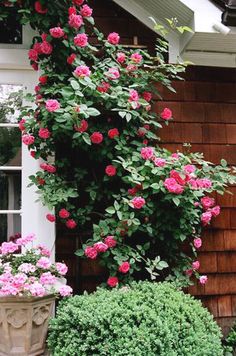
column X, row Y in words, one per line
column 204, row 109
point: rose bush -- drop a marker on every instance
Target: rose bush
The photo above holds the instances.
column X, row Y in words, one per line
column 96, row 134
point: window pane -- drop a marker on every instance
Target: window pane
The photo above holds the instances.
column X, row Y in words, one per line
column 10, row 29
column 10, row 225
column 10, row 102
column 10, row 190
column 10, row 137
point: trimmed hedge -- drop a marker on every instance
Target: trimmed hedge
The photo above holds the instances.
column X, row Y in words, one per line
column 146, row 319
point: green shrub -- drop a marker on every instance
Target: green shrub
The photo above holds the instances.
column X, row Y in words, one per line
column 147, row 319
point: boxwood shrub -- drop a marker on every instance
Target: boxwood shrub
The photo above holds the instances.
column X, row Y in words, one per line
column 145, row 319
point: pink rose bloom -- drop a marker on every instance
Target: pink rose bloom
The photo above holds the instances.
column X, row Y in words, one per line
column 47, row 278
column 86, row 11
column 113, row 38
column 81, row 40
column 203, row 279
column 112, row 282
column 196, row 265
column 78, row 2
column 110, row 241
column 147, row 152
column 46, row 48
column 113, row 73
column 193, row 183
column 37, row 290
column 103, row 87
column 207, row 202
column 204, row 183
column 206, row 218
column 27, row 268
column 166, row 114
column 189, row 272
column 43, row 79
column 82, row 71
column 51, row 217
column 44, row 263
column 147, row 96
column 50, row 168
column 52, row 105
column 44, row 133
column 131, row 68
column 75, row 21
column 8, row 247
column 110, row 170
column 28, row 139
column 65, row 291
column 124, row 267
column 197, row 242
column 64, row 214
column 96, row 137
column 22, row 124
column 215, row 211
column 33, row 55
column 176, row 175
column 136, row 57
column 112, row 133
column 91, row 252
column 71, row 58
column 100, row 247
column 39, row 8
column 56, row 32
column 37, row 46
column 83, row 126
column 71, row 224
column 61, row 268
column 172, row 186
column 159, row 162
column 189, row 168
column 138, row 202
column 133, row 95
column 175, row 155
column 120, row 57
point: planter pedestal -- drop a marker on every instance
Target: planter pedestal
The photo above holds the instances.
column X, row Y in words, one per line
column 24, row 324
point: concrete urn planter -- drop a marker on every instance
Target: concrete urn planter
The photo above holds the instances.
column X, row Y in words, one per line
column 24, row 324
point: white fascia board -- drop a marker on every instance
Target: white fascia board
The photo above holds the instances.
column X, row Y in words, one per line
column 144, row 16
column 206, row 14
column 211, row 59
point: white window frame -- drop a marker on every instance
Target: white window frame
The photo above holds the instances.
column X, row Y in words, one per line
column 15, row 69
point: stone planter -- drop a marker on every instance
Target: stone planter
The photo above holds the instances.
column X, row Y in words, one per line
column 24, row 324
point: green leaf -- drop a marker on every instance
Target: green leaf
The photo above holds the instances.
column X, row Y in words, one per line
column 122, row 114
column 120, row 215
column 116, row 205
column 223, row 163
column 176, row 201
column 86, row 138
column 110, row 210
column 93, row 112
column 75, row 85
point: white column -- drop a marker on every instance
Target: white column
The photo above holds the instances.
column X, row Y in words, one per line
column 33, row 212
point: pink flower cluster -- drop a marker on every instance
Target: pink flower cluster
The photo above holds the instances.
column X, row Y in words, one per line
column 37, row 279
column 210, row 210
column 100, row 247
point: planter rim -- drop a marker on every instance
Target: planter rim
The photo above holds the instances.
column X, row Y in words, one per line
column 25, row 299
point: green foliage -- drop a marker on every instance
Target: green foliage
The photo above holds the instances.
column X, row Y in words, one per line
column 146, row 319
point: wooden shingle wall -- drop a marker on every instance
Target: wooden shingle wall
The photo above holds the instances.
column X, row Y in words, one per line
column 204, row 111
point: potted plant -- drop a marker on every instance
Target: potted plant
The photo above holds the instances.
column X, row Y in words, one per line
column 29, row 283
